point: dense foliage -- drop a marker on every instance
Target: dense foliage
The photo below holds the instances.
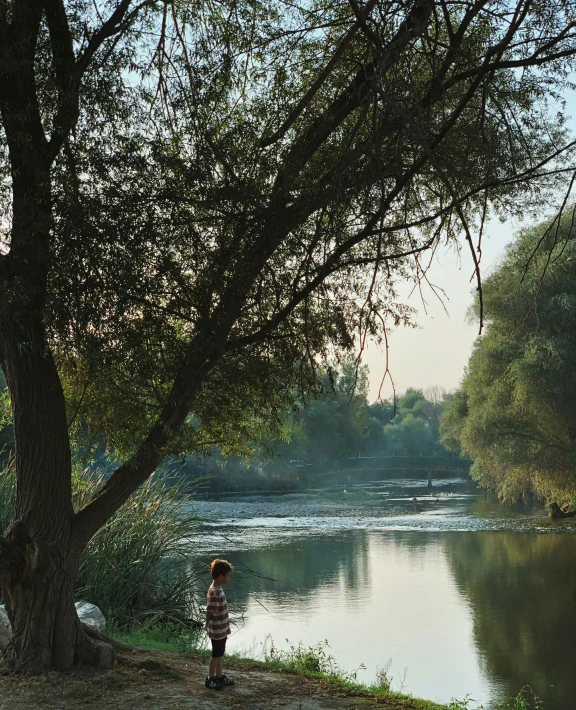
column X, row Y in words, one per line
column 515, row 414
column 248, row 164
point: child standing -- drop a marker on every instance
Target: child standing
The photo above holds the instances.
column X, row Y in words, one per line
column 217, row 623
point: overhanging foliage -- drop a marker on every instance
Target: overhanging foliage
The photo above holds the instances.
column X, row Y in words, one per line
column 515, row 413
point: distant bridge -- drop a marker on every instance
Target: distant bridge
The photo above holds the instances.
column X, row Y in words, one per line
column 381, row 467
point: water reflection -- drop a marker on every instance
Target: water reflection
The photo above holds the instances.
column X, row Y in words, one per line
column 373, row 596
column 480, row 612
column 300, row 566
column 522, row 590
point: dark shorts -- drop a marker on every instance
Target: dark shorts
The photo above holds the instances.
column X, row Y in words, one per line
column 218, row 647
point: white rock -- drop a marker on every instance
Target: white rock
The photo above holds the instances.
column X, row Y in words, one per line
column 5, row 628
column 87, row 613
column 90, row 615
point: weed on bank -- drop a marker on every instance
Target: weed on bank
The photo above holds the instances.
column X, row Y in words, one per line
column 312, row 662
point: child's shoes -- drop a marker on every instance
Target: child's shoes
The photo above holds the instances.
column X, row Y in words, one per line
column 224, row 680
column 213, row 684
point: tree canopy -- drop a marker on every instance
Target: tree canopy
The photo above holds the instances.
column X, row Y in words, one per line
column 264, row 174
column 514, row 414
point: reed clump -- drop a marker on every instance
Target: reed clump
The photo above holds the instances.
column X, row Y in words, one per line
column 139, row 568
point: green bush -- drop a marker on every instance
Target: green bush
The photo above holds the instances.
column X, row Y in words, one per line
column 139, row 567
column 314, row 659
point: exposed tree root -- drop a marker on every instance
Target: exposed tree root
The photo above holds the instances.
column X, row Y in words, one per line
column 117, row 645
column 148, row 664
column 94, row 652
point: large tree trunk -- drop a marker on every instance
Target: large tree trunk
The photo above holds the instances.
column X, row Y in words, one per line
column 39, row 595
column 38, row 555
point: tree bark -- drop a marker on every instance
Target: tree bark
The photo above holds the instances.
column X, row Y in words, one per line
column 38, row 563
column 38, row 587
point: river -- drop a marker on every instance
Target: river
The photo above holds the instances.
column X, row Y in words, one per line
column 457, row 595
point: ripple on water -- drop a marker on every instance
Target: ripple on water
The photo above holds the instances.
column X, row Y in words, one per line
column 443, row 511
column 432, row 521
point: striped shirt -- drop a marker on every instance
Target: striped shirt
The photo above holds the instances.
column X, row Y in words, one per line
column 217, row 622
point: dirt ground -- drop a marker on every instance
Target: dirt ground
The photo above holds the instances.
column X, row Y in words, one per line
column 181, row 687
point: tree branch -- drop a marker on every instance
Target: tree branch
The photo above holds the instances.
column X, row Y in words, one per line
column 61, row 43
column 67, row 112
column 361, row 17
column 332, row 265
column 354, row 95
column 313, row 90
column 454, row 196
column 205, row 351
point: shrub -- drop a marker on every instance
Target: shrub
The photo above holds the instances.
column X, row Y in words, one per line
column 314, row 659
column 139, row 566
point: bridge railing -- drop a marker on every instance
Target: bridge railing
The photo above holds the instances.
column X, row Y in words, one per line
column 424, row 464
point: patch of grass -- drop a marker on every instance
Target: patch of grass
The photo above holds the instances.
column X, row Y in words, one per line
column 159, row 637
column 525, row 700
column 317, row 662
column 299, row 659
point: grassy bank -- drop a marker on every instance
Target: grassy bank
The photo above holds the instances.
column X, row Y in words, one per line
column 312, row 662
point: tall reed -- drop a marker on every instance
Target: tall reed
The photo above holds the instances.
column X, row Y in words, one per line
column 139, row 567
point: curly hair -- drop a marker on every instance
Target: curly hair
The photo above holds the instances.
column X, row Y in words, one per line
column 219, row 567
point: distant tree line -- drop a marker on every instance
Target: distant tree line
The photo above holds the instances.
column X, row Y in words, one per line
column 335, row 423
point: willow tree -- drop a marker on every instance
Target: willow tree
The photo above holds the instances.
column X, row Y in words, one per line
column 196, row 196
column 514, row 414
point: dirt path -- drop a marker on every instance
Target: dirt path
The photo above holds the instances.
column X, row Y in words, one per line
column 130, row 688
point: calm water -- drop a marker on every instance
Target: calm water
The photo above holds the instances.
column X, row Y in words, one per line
column 464, row 596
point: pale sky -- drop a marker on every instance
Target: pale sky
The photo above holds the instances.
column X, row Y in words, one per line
column 436, row 352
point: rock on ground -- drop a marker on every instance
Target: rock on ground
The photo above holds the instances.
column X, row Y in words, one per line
column 88, row 613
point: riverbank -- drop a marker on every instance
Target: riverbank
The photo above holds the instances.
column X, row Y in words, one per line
column 159, row 675
column 449, row 602
column 174, row 680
